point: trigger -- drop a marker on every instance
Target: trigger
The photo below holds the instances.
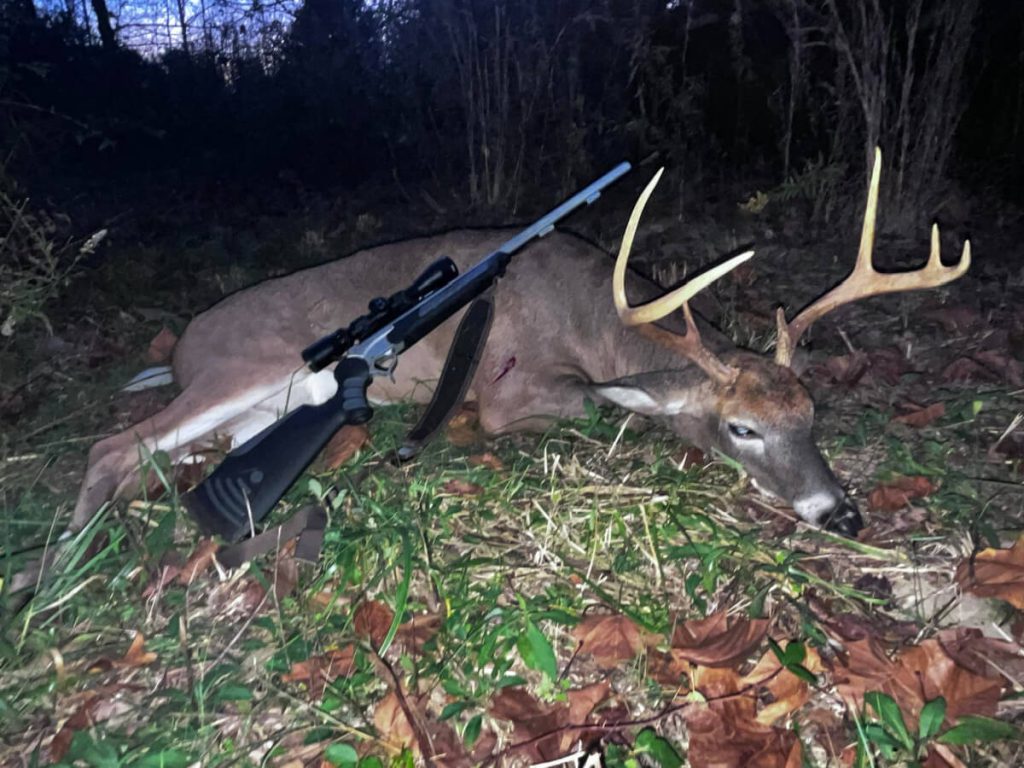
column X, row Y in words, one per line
column 385, row 366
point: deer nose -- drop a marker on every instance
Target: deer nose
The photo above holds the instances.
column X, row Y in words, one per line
column 844, row 519
column 832, row 511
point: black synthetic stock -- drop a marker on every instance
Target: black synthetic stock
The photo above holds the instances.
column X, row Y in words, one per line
column 249, row 482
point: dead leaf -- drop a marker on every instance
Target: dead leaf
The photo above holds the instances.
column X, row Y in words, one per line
column 532, row 718
column 995, row 573
column 488, row 460
column 724, row 731
column 918, row 417
column 787, row 692
column 419, row 630
column 718, row 640
column 1002, row 363
column 846, row 370
column 458, row 487
column 97, row 705
column 317, row 671
column 345, row 444
column 136, row 655
column 898, row 493
column 982, row 656
column 689, row 457
column 462, row 427
column 610, row 639
column 200, row 559
column 918, row 674
column 964, row 370
column 160, row 348
column 392, row 721
column 956, row 318
column 372, row 621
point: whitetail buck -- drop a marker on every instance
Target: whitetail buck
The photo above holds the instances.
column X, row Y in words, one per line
column 554, row 342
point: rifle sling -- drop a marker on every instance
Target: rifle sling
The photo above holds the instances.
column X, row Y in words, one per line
column 456, row 375
column 308, row 525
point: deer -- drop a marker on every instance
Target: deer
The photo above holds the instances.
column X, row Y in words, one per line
column 553, row 343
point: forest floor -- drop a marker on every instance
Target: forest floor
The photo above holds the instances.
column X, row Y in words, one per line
column 521, row 600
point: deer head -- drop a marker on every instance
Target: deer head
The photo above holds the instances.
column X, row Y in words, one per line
column 752, row 408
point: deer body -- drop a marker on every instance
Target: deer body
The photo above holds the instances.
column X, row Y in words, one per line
column 238, row 365
column 553, row 342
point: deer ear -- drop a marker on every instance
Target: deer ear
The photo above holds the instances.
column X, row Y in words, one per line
column 630, row 393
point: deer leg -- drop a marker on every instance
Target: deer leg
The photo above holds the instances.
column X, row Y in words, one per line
column 199, row 414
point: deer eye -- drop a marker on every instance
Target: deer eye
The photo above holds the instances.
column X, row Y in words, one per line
column 742, row 432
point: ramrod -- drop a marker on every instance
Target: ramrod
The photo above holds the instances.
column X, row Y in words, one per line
column 555, row 340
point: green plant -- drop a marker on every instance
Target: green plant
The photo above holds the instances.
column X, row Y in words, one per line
column 890, row 737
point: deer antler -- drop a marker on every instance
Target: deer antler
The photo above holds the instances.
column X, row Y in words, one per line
column 643, row 316
column 865, row 281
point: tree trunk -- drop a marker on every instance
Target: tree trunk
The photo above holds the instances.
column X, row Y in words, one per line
column 103, row 24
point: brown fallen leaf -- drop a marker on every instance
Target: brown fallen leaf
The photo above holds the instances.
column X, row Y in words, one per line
column 718, row 640
column 423, row 734
column 532, row 718
column 786, row 692
column 610, row 639
column 200, row 559
column 995, row 573
column 419, row 630
column 725, row 733
column 488, row 460
column 689, row 457
column 136, row 656
column 345, row 444
column 897, row 494
column 964, row 370
column 317, row 671
column 462, row 427
column 96, row 705
column 919, row 417
column 372, row 621
column 160, row 348
column 458, row 487
column 915, row 676
column 1003, row 363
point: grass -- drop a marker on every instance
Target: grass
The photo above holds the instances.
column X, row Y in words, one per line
column 506, row 557
column 591, row 515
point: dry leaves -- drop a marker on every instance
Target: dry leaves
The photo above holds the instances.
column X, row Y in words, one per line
column 457, row 487
column 200, row 559
column 544, row 729
column 920, row 416
column 317, row 671
column 372, row 621
column 609, row 639
column 897, row 494
column 90, row 708
column 718, row 640
column 488, row 460
column 462, row 427
column 161, row 347
column 995, row 573
column 423, row 734
column 345, row 444
column 916, row 675
column 725, row 732
column 136, row 656
column 419, row 630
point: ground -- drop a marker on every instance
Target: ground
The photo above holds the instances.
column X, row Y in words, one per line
column 480, row 604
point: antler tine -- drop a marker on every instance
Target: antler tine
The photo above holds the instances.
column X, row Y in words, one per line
column 673, row 300
column 865, row 281
column 643, row 315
